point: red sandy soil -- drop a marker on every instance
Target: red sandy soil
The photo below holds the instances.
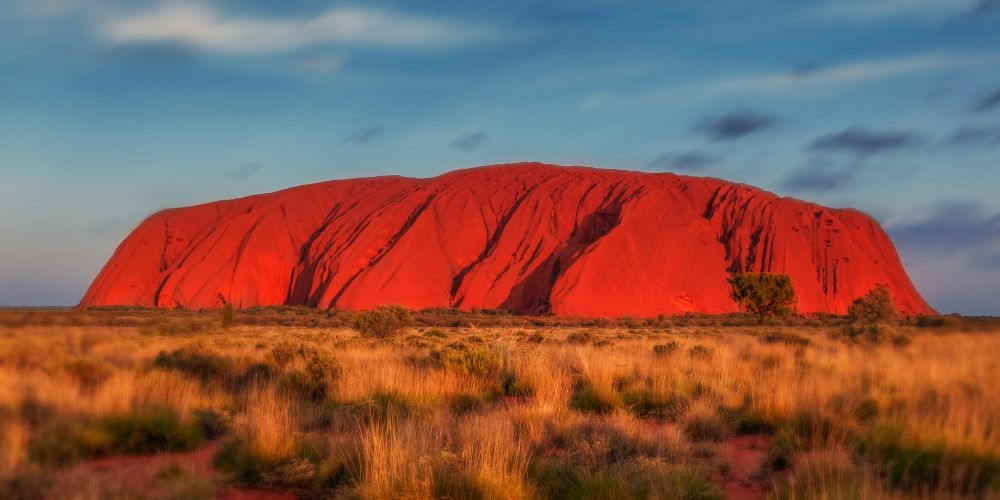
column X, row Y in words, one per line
column 744, row 455
column 524, row 237
column 142, row 470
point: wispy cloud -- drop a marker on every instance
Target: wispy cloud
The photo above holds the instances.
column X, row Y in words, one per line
column 470, row 141
column 976, row 135
column 688, row 161
column 245, row 171
column 803, row 78
column 363, row 135
column 863, row 143
column 846, row 73
column 212, row 30
column 736, row 124
column 988, row 101
column 875, row 10
column 322, row 64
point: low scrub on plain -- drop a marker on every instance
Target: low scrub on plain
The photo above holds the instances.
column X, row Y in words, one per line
column 629, row 409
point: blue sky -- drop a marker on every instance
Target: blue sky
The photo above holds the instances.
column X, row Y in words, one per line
column 111, row 110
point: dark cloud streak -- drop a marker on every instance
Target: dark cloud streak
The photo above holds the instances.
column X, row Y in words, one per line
column 736, row 125
column 863, row 143
column 245, row 171
column 361, row 136
column 689, row 160
column 470, row 141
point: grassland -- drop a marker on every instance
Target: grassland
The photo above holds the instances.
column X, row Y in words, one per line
column 492, row 406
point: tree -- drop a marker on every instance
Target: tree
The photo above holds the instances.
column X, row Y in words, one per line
column 227, row 311
column 876, row 307
column 763, row 294
column 381, row 322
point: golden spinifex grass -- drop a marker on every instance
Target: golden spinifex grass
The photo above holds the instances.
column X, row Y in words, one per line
column 584, row 412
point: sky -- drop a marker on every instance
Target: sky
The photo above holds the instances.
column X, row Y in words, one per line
column 111, row 110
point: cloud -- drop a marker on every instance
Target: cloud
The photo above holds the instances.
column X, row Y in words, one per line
column 875, row 10
column 736, row 124
column 846, row 73
column 322, row 64
column 976, row 135
column 951, row 228
column 864, row 143
column 470, row 141
column 154, row 53
column 808, row 76
column 245, row 171
column 988, row 102
column 363, row 135
column 203, row 27
column 986, row 7
column 820, row 175
column 689, row 160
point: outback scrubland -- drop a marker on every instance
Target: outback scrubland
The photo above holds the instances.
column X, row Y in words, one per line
column 132, row 403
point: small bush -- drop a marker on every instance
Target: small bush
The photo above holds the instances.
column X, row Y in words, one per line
column 647, row 404
column 916, row 467
column 89, row 373
column 705, row 427
column 25, row 484
column 311, row 382
column 435, row 333
column 581, row 337
column 478, row 361
column 666, row 349
column 196, row 362
column 701, row 352
column 781, row 337
column 179, row 483
column 381, row 322
column 212, row 424
column 588, row 399
column 150, row 431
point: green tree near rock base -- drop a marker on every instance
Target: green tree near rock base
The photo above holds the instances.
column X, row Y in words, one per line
column 763, row 294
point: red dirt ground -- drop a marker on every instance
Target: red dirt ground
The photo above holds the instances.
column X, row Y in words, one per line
column 141, row 471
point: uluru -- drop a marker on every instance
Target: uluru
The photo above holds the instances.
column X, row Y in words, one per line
column 525, row 237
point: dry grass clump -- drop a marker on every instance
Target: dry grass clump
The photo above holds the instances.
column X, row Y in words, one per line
column 610, row 409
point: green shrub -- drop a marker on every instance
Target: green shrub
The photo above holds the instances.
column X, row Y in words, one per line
column 89, row 373
column 705, row 428
column 779, row 336
column 311, row 383
column 666, row 349
column 580, row 337
column 178, row 326
column 647, row 404
column 212, row 424
column 150, row 431
column 699, row 351
column 196, row 362
column 179, row 483
column 64, row 441
column 515, row 387
column 763, row 294
column 478, row 361
column 916, row 467
column 587, row 399
column 435, row 333
column 381, row 322
column 468, row 403
column 746, row 420
column 24, row 484
column 875, row 307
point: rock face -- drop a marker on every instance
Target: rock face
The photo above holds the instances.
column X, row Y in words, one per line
column 522, row 237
